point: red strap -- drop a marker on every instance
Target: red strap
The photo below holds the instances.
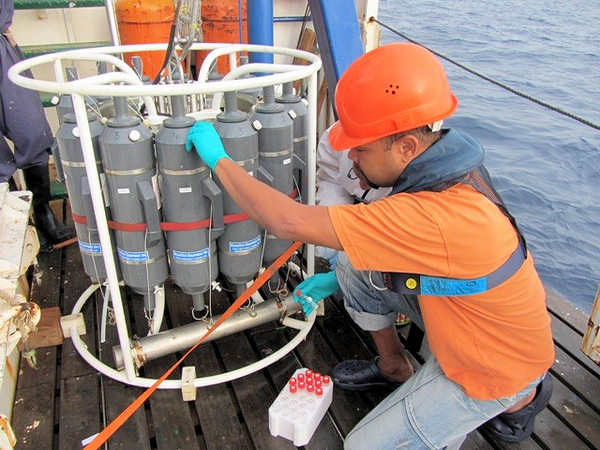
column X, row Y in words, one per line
column 172, row 226
column 185, row 226
column 112, row 427
column 232, row 218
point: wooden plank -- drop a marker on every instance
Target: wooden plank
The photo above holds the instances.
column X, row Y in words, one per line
column 348, row 407
column 33, row 417
column 217, row 413
column 528, row 444
column 118, row 396
column 253, row 393
column 215, row 407
column 75, row 282
column 570, row 342
column 171, row 421
column 45, row 291
column 80, row 407
column 578, row 415
column 326, row 435
column 134, row 432
column 566, row 311
column 44, row 371
column 580, row 381
column 590, row 344
column 475, row 441
column 308, row 39
column 172, row 424
column 45, row 285
column 48, row 333
column 554, row 434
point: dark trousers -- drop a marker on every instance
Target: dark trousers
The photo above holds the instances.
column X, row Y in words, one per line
column 22, row 119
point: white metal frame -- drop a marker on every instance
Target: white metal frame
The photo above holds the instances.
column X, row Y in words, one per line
column 129, row 85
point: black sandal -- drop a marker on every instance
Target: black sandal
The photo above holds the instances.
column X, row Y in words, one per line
column 518, row 426
column 360, row 375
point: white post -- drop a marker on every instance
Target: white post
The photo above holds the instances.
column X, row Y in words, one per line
column 99, row 212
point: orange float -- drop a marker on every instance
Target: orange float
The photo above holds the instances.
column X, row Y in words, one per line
column 221, row 23
column 145, row 22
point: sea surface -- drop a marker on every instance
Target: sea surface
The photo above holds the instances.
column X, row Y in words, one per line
column 546, row 166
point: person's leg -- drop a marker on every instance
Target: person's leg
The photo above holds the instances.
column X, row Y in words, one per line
column 374, row 309
column 392, row 362
column 37, row 180
column 22, row 117
column 7, row 160
column 23, row 121
column 429, row 411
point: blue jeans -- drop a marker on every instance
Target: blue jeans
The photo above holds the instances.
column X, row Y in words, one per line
column 429, row 411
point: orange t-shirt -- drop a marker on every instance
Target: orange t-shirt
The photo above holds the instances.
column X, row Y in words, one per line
column 492, row 344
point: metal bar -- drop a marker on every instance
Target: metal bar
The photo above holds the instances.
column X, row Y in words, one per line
column 103, row 232
column 185, row 336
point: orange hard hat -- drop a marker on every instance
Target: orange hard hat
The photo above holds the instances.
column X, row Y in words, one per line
column 394, row 88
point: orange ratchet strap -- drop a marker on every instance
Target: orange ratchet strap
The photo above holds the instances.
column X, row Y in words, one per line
column 112, row 427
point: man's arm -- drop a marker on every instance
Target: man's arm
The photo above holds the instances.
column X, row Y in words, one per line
column 281, row 215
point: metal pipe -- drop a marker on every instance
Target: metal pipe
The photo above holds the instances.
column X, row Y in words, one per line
column 112, row 23
column 312, row 160
column 176, row 384
column 185, row 336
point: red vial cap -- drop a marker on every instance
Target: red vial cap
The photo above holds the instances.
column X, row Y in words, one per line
column 310, row 388
column 293, row 381
column 318, row 392
column 301, row 385
column 293, row 388
column 318, row 383
column 300, row 377
column 326, row 380
column 317, row 376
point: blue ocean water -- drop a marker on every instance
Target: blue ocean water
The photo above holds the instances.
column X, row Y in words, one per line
column 545, row 166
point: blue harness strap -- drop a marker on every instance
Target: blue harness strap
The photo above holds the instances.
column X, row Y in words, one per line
column 414, row 284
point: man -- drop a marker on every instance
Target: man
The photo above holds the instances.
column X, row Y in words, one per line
column 443, row 234
column 22, row 120
column 339, row 184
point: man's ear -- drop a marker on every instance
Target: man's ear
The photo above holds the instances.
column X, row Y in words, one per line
column 407, row 147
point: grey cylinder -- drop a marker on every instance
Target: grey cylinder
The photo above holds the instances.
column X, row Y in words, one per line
column 297, row 108
column 128, row 159
column 64, row 105
column 188, row 196
column 275, row 144
column 240, row 245
column 68, row 140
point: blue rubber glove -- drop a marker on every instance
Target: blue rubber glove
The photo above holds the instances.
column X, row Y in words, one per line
column 207, row 142
column 314, row 289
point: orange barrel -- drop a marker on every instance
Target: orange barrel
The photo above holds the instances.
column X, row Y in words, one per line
column 145, row 22
column 221, row 23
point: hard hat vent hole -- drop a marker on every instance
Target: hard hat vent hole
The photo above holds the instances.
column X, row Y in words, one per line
column 392, row 89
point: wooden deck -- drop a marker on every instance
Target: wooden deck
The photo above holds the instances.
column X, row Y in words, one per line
column 64, row 401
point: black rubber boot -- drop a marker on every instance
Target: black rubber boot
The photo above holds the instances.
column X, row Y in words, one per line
column 518, row 426
column 37, row 180
column 12, row 185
